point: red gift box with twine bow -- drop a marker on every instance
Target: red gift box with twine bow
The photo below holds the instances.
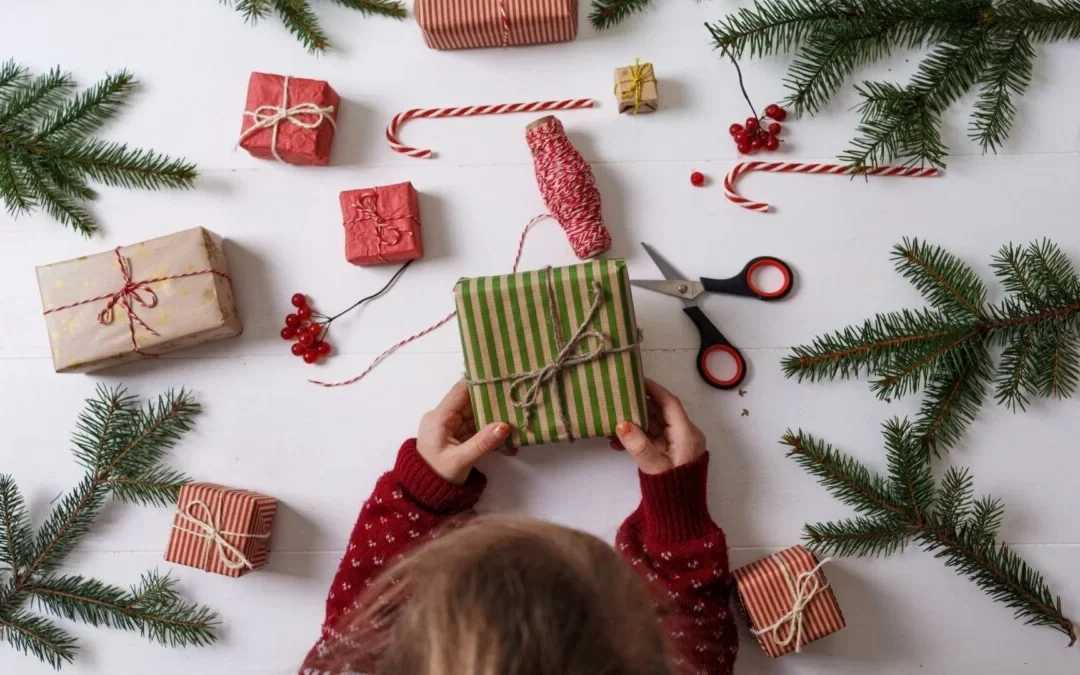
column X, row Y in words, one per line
column 290, row 119
column 220, row 529
column 382, row 224
column 788, row 601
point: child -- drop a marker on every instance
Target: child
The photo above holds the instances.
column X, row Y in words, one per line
column 423, row 591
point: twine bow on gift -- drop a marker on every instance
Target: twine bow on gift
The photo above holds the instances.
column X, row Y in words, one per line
column 271, row 116
column 804, row 588
column 129, row 294
column 526, row 389
column 640, row 75
column 208, row 527
column 368, row 209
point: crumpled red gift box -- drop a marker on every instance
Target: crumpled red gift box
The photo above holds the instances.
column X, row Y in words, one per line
column 382, row 224
column 289, row 118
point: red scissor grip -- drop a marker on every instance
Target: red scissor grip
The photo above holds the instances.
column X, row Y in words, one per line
column 734, row 380
column 760, row 263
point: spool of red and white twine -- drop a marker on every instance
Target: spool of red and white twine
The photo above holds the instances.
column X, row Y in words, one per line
column 472, row 111
column 796, row 167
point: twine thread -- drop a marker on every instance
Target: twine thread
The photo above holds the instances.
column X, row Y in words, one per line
column 209, row 529
column 804, row 588
column 640, row 75
column 271, row 117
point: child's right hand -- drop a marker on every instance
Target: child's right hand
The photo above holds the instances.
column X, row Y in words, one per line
column 672, row 439
column 448, row 439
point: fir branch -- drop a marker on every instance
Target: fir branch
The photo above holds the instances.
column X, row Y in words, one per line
column 302, row 22
column 1007, row 74
column 121, row 445
column 608, row 13
column 31, row 634
column 300, row 19
column 944, row 520
column 390, row 8
column 47, row 156
column 1044, row 21
column 153, row 608
column 945, row 351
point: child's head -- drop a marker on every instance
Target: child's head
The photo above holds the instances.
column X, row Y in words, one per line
column 504, row 595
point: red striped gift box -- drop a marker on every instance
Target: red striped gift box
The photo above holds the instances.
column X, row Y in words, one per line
column 220, row 529
column 469, row 24
column 787, row 601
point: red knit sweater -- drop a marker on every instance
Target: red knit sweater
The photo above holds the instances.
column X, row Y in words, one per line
column 670, row 540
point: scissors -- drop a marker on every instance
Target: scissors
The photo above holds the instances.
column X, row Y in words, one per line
column 690, row 292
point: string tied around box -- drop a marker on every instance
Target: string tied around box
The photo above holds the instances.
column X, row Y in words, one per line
column 526, row 389
column 803, row 588
column 272, row 116
column 208, row 527
column 640, row 75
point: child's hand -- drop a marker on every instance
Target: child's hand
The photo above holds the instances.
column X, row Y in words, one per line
column 448, row 440
column 672, row 440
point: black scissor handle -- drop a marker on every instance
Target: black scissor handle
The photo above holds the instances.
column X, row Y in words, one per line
column 712, row 340
column 743, row 282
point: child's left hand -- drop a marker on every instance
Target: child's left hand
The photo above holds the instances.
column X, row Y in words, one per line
column 448, row 440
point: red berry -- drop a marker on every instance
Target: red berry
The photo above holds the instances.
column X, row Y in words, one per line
column 310, row 356
column 323, row 348
column 772, row 143
column 752, row 124
column 292, row 320
column 306, row 339
column 741, row 137
column 735, row 129
column 288, row 333
column 745, row 147
column 315, row 329
column 299, row 300
column 775, row 128
column 770, row 110
column 697, row 179
column 298, row 349
column 779, row 114
column 757, row 143
column 304, row 312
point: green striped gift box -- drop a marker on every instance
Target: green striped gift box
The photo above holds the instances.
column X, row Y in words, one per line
column 554, row 352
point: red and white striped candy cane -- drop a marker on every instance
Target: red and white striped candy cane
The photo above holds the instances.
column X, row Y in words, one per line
column 796, row 167
column 470, row 111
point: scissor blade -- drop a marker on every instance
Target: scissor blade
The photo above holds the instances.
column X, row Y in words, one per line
column 679, row 288
column 666, row 268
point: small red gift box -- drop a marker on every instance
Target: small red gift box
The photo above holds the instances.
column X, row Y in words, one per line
column 220, row 529
column 382, row 225
column 788, row 601
column 290, row 119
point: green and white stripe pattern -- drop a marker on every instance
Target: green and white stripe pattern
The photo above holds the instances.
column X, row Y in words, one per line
column 507, row 330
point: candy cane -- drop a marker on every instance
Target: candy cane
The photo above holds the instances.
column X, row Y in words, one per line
column 795, row 167
column 469, row 111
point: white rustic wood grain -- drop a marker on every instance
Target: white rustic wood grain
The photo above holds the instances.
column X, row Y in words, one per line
column 320, row 451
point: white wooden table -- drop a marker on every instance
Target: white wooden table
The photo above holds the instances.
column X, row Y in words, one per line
column 320, row 451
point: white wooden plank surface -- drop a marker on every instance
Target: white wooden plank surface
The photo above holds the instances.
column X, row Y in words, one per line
column 320, row 451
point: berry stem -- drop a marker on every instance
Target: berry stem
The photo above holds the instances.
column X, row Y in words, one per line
column 741, row 85
column 384, row 289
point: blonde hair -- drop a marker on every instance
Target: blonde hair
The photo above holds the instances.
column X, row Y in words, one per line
column 503, row 595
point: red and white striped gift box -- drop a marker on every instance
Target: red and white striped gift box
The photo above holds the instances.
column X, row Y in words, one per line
column 469, row 24
column 221, row 529
column 788, row 601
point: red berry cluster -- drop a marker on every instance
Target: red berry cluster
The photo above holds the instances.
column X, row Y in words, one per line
column 756, row 134
column 309, row 335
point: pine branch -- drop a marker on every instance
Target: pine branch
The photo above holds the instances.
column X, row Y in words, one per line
column 15, row 531
column 301, row 21
column 945, row 351
column 1007, row 74
column 944, row 520
column 31, row 634
column 608, row 13
column 153, row 608
column 121, row 445
column 47, row 156
column 390, row 8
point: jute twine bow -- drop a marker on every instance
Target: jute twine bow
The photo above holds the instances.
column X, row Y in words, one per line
column 804, row 588
column 526, row 389
column 270, row 116
column 131, row 291
column 640, row 75
column 209, row 529
column 368, row 208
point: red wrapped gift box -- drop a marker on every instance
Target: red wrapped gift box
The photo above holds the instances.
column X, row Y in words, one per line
column 382, row 225
column 467, row 24
column 788, row 601
column 290, row 119
column 220, row 529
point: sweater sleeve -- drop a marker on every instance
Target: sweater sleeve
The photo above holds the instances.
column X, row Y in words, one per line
column 674, row 544
column 409, row 504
